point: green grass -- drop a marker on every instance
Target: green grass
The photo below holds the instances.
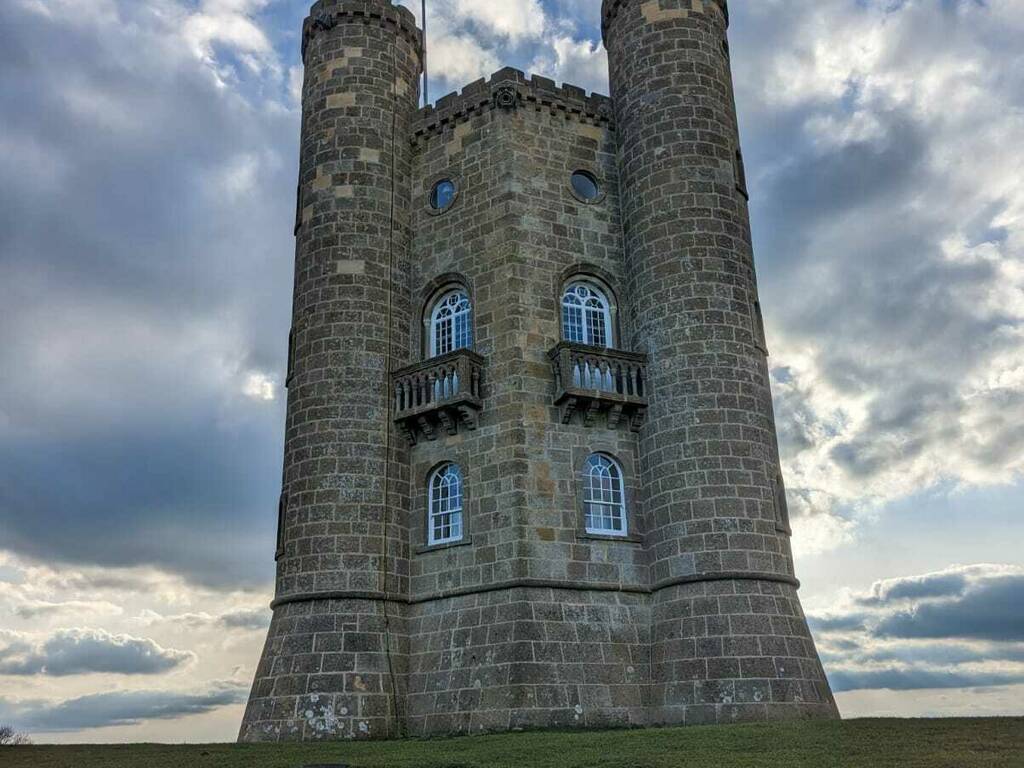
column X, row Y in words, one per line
column 967, row 743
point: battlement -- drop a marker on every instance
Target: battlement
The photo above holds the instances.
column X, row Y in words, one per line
column 610, row 9
column 510, row 88
column 527, row 483
column 327, row 14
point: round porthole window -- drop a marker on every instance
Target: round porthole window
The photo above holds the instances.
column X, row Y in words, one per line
column 443, row 195
column 585, row 187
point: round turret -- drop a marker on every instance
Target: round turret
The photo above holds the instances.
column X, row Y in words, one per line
column 717, row 533
column 328, row 668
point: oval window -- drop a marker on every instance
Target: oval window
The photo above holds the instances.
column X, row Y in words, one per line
column 585, row 186
column 442, row 195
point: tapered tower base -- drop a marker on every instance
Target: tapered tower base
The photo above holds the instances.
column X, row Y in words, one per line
column 516, row 603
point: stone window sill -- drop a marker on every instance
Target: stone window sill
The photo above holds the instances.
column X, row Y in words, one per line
column 427, row 548
column 631, row 539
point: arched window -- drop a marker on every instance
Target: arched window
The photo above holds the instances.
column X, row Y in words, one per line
column 586, row 315
column 444, row 517
column 604, row 499
column 451, row 324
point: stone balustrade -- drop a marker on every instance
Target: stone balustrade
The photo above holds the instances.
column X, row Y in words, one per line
column 441, row 392
column 593, row 379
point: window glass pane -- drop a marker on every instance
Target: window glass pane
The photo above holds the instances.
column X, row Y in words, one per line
column 585, row 186
column 603, row 497
column 451, row 324
column 586, row 316
column 572, row 318
column 445, row 514
column 442, row 195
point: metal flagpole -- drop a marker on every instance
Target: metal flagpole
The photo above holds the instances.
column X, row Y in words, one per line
column 426, row 77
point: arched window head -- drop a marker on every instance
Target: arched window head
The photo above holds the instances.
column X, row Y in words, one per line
column 604, row 499
column 586, row 315
column 451, row 324
column 444, row 517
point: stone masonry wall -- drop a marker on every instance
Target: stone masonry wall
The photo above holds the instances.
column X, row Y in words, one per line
column 709, row 457
column 528, row 622
column 343, row 525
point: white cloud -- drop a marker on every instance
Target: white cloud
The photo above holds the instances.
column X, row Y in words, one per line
column 517, row 21
column 897, row 332
column 114, row 708
column 259, row 386
column 955, row 628
column 230, row 24
column 86, row 651
column 583, row 63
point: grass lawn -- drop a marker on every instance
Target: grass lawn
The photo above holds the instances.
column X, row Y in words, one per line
column 966, row 743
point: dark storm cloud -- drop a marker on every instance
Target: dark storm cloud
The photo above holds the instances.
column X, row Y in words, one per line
column 252, row 619
column 906, row 679
column 83, row 651
column 839, row 622
column 932, row 654
column 990, row 610
column 104, row 710
column 958, row 628
column 980, row 602
column 145, row 256
column 949, row 584
column 168, row 498
column 145, row 265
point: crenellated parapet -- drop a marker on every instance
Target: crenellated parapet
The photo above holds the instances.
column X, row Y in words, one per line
column 510, row 88
column 325, row 15
column 656, row 10
column 531, row 475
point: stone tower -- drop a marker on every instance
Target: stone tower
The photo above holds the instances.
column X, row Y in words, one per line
column 531, row 472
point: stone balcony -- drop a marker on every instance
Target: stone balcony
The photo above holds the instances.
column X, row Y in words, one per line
column 592, row 380
column 439, row 393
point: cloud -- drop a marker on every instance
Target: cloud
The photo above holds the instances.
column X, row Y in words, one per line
column 243, row 619
column 960, row 627
column 516, row 21
column 583, row 63
column 890, row 245
column 906, row 679
column 990, row 610
column 254, row 619
column 128, row 395
column 33, row 609
column 117, row 708
column 470, row 39
column 86, row 651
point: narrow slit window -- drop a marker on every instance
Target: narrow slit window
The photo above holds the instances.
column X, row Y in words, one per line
column 741, row 175
column 282, row 514
column 781, row 505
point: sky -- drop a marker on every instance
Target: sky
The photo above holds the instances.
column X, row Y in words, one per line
column 148, row 161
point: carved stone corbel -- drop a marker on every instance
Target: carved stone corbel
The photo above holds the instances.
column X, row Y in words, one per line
column 637, row 420
column 568, row 409
column 450, row 425
column 614, row 416
column 427, row 428
column 469, row 417
column 406, row 429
